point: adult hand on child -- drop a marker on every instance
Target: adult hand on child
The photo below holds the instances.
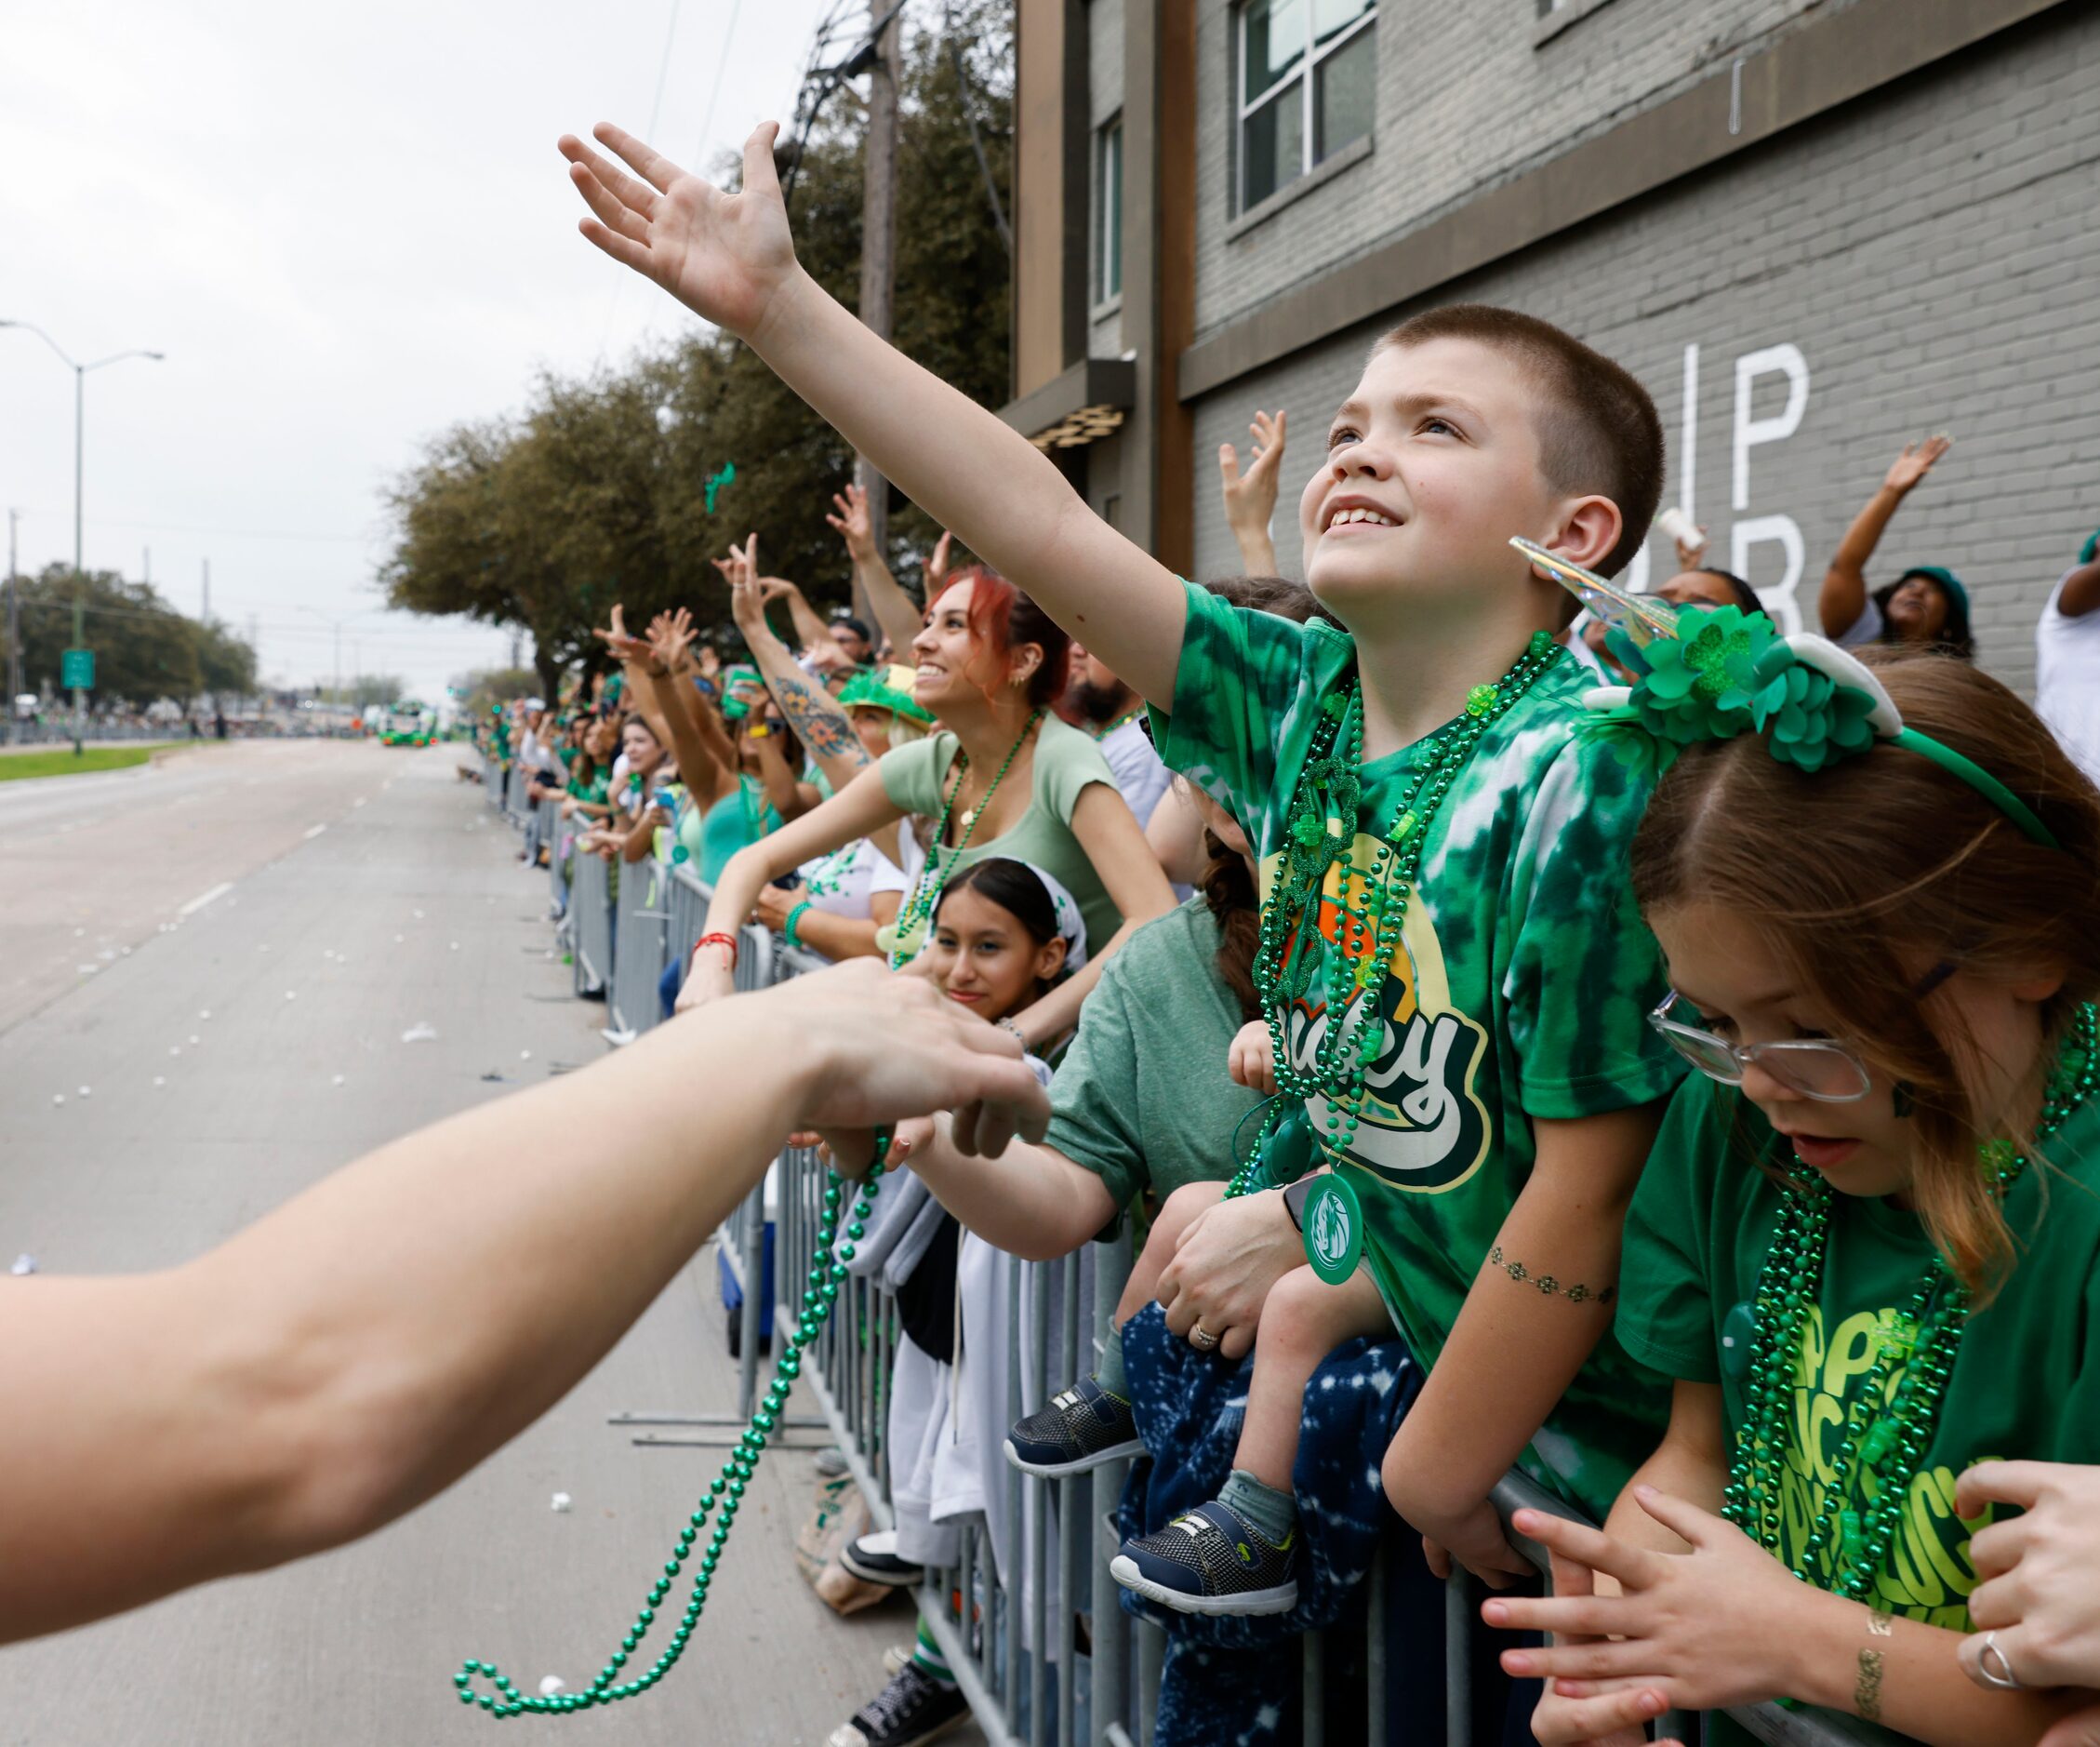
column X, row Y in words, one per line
column 1223, row 1266
column 1250, row 498
column 1915, row 463
column 2039, row 1597
column 1251, row 1061
column 1705, row 1630
column 725, row 257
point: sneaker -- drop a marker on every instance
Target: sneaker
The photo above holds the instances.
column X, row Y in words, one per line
column 1081, row 1428
column 897, row 1656
column 1210, row 1562
column 912, row 1707
column 874, row 1559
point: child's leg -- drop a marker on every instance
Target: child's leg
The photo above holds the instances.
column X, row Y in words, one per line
column 1303, row 1320
column 1177, row 1213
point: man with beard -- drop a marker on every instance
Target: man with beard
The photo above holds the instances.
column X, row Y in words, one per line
column 1097, row 701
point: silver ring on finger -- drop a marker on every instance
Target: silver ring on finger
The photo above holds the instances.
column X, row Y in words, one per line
column 2003, row 1677
column 1202, row 1338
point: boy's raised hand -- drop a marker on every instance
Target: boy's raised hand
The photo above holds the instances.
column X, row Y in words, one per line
column 724, row 256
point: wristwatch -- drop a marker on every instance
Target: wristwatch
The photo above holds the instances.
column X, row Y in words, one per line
column 1296, row 1195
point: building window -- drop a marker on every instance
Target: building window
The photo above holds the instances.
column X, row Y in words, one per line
column 1107, row 210
column 1308, row 87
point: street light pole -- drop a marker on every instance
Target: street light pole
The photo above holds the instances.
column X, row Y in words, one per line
column 79, row 470
column 14, row 631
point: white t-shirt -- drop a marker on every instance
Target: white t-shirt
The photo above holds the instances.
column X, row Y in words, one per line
column 1139, row 771
column 1867, row 628
column 2066, row 679
column 842, row 882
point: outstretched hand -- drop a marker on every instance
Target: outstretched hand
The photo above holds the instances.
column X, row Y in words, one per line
column 936, row 567
column 853, row 524
column 615, row 635
column 725, row 257
column 1915, row 463
column 1249, row 496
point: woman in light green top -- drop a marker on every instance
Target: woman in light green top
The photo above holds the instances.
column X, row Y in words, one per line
column 1003, row 778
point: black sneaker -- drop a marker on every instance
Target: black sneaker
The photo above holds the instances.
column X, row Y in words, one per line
column 874, row 1559
column 1209, row 1561
column 1081, row 1428
column 912, row 1707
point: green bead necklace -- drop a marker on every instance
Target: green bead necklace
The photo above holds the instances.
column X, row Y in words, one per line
column 1319, row 835
column 918, row 909
column 724, row 1495
column 1883, row 1449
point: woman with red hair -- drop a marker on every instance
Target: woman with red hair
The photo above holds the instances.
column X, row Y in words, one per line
column 1001, row 777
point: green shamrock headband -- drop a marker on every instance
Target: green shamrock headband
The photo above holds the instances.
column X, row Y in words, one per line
column 1713, row 673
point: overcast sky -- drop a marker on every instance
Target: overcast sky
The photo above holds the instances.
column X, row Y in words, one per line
column 346, row 228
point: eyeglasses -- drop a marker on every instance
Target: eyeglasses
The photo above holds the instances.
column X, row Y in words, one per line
column 1826, row 1072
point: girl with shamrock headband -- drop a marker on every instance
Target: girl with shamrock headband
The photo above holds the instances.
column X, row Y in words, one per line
column 1004, row 777
column 1864, row 1244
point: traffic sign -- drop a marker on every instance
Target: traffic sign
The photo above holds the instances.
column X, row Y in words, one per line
column 76, row 670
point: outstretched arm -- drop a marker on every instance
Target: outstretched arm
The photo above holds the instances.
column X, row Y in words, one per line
column 730, row 258
column 897, row 615
column 348, row 1357
column 1843, row 596
column 818, row 721
column 1250, row 498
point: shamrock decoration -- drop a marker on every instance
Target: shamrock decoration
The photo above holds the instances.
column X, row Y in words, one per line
column 1699, row 685
column 1809, row 720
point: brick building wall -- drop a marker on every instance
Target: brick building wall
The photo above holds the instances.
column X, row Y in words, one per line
column 1914, row 261
column 1465, row 99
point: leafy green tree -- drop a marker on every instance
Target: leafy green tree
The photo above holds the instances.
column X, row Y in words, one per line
column 599, row 490
column 144, row 648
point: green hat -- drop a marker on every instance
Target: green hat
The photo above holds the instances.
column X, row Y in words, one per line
column 735, row 709
column 2087, row 552
column 885, row 688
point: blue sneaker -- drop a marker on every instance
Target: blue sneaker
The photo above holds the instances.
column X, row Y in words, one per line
column 1081, row 1428
column 1211, row 1560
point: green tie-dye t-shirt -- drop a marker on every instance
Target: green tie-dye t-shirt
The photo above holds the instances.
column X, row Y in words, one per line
column 1520, row 988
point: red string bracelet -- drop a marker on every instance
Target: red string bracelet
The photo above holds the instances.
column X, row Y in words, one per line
column 719, row 940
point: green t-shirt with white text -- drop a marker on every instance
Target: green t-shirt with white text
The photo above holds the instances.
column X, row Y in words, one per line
column 1520, row 989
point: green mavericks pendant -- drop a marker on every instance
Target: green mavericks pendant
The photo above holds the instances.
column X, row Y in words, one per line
column 1333, row 1230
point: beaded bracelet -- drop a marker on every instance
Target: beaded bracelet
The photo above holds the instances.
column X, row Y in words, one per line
column 794, row 922
column 719, row 939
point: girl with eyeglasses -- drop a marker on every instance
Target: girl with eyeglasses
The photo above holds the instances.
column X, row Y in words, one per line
column 1865, row 1245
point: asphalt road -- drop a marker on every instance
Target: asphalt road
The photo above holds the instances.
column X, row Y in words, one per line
column 212, row 963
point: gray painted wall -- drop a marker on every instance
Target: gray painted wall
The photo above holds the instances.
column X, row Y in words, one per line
column 1926, row 253
column 1464, row 101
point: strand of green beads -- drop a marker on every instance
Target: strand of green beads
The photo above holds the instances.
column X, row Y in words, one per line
column 722, row 1498
column 933, row 872
column 1884, row 1445
column 1355, row 1027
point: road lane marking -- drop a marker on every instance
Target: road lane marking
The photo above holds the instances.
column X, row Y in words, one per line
column 202, row 898
column 315, row 832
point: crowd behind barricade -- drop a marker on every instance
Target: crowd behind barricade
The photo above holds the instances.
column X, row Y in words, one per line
column 1635, row 1049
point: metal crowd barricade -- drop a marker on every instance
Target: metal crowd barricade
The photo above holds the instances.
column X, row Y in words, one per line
column 591, row 923
column 1010, row 1626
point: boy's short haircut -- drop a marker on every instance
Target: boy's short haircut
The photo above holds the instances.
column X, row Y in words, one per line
column 1598, row 431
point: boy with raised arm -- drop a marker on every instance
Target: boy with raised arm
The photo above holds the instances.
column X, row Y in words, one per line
column 1440, row 850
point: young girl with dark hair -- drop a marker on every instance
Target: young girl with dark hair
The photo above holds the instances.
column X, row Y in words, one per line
column 1004, row 933
column 1865, row 1244
column 1002, row 778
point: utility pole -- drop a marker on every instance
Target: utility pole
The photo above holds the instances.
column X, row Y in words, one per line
column 339, row 672
column 14, row 631
column 206, row 619
column 878, row 255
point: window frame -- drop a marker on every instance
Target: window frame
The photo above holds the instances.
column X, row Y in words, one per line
column 1305, row 72
column 1107, row 214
